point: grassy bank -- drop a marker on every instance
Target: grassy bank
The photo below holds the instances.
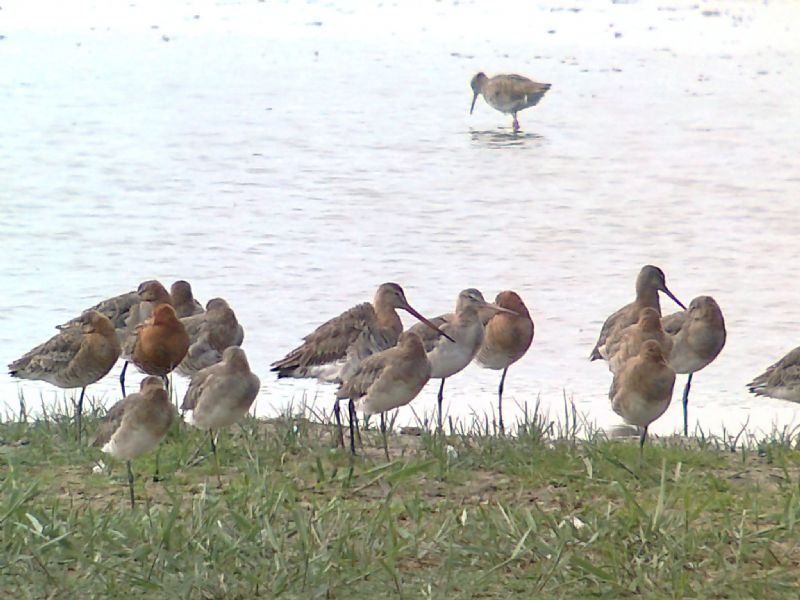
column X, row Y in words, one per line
column 474, row 516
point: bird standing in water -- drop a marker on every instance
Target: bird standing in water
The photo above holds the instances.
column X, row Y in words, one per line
column 507, row 93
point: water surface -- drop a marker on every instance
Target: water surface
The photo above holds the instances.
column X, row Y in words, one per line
column 292, row 156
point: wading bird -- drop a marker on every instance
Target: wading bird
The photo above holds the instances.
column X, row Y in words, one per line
column 507, row 93
column 136, row 424
column 387, row 380
column 649, row 282
column 465, row 328
column 642, row 390
column 333, row 350
column 78, row 356
column 159, row 344
column 627, row 343
column 781, row 380
column 698, row 336
column 210, row 333
column 508, row 337
column 220, row 395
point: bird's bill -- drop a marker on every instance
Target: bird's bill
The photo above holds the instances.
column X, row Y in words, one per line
column 499, row 309
column 474, row 98
column 427, row 322
column 674, row 299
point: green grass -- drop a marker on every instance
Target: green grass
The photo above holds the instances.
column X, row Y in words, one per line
column 540, row 515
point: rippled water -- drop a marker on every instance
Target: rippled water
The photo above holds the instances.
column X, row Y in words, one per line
column 292, row 156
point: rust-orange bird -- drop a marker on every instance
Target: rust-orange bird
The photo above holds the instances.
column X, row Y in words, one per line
column 507, row 338
column 160, row 343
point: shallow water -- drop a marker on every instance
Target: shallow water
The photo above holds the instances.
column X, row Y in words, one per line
column 292, row 156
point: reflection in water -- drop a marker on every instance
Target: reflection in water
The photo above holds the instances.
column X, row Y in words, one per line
column 504, row 138
column 134, row 160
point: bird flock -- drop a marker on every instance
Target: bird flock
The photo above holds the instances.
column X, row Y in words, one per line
column 376, row 365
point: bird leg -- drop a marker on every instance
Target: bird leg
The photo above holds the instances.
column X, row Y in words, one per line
column 642, row 438
column 383, row 432
column 439, row 398
column 78, row 413
column 130, row 484
column 337, row 411
column 122, row 377
column 500, row 402
column 216, row 458
column 686, row 405
column 516, row 123
column 156, row 476
column 351, row 409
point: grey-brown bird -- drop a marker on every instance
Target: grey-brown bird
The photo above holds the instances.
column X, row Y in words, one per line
column 465, row 332
column 642, row 390
column 628, row 342
column 386, row 381
column 136, row 424
column 210, row 333
column 221, row 394
column 183, row 299
column 698, row 335
column 649, row 282
column 507, row 93
column 781, row 380
column 78, row 356
column 507, row 338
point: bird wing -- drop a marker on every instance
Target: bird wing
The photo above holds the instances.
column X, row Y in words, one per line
column 329, row 342
column 610, row 326
column 200, row 381
column 116, row 309
column 784, row 372
column 366, row 374
column 111, row 422
column 51, row 356
column 673, row 323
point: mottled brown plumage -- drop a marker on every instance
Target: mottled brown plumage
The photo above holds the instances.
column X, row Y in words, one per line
column 361, row 331
column 507, row 93
column 74, row 358
column 781, row 380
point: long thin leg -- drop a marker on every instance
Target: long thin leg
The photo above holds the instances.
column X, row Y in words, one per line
column 686, row 405
column 642, row 438
column 216, row 458
column 516, row 123
column 500, row 402
column 337, row 411
column 439, row 400
column 351, row 409
column 383, row 432
column 122, row 378
column 130, row 484
column 78, row 413
column 156, row 476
